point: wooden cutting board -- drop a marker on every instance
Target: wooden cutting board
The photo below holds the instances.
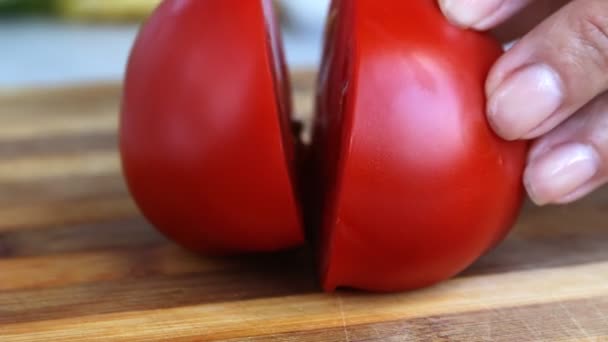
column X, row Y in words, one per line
column 78, row 262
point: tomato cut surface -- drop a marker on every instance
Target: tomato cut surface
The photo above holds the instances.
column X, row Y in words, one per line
column 205, row 127
column 411, row 184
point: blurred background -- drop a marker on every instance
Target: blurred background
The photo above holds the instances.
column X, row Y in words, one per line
column 57, row 42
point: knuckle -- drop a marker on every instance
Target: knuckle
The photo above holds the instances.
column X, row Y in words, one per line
column 591, row 24
column 596, row 127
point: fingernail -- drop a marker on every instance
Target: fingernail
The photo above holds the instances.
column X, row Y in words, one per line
column 561, row 172
column 524, row 100
column 463, row 13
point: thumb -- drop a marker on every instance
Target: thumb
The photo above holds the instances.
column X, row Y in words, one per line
column 481, row 14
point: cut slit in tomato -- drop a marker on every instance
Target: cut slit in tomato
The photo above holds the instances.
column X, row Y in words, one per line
column 331, row 126
column 281, row 79
column 282, row 84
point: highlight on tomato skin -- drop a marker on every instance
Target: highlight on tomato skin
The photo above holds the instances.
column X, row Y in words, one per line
column 204, row 128
column 411, row 185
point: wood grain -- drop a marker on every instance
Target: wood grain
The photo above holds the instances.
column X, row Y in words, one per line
column 115, row 233
column 273, row 315
column 53, row 214
column 79, row 263
column 576, row 320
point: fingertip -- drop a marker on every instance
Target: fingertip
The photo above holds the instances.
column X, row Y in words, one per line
column 561, row 173
column 532, row 191
column 457, row 14
column 524, row 101
column 496, row 121
column 538, row 149
column 475, row 14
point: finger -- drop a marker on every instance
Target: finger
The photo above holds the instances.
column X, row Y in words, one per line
column 551, row 72
column 481, row 14
column 572, row 160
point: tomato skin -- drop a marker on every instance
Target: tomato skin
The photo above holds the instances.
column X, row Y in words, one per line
column 202, row 130
column 420, row 185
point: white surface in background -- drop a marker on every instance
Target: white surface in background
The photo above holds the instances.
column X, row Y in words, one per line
column 34, row 52
column 41, row 52
column 306, row 14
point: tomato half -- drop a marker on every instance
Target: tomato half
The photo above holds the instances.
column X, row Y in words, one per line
column 205, row 132
column 413, row 183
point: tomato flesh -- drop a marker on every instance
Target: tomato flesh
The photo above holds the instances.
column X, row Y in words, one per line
column 412, row 185
column 204, row 128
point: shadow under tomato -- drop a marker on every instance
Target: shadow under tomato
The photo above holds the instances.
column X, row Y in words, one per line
column 149, row 288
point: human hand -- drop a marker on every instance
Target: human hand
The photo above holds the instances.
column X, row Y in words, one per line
column 551, row 86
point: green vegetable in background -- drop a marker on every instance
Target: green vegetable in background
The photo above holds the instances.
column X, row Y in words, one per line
column 17, row 7
column 95, row 10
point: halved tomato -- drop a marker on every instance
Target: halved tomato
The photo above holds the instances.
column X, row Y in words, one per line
column 205, row 130
column 411, row 184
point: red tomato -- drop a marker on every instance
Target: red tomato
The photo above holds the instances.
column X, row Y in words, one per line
column 205, row 128
column 415, row 185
